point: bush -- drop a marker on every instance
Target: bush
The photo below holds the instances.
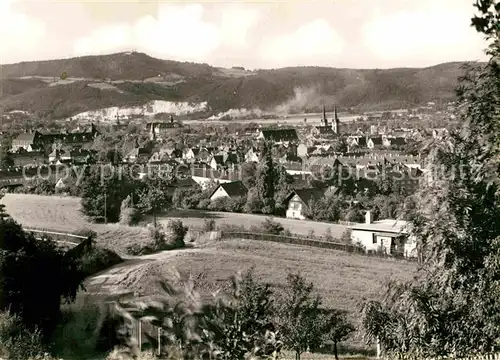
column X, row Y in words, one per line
column 79, row 333
column 16, row 342
column 227, row 204
column 176, row 232
column 129, row 215
column 346, row 237
column 98, row 259
column 209, row 225
column 86, row 232
column 270, row 226
column 204, row 204
column 162, row 239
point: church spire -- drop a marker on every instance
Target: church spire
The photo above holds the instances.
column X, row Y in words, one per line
column 335, row 123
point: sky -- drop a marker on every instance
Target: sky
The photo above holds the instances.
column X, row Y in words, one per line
column 258, row 34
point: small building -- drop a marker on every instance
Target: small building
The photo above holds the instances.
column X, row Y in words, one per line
column 252, row 155
column 138, row 155
column 387, row 236
column 300, row 199
column 25, row 158
column 224, row 161
column 374, row 142
column 231, row 189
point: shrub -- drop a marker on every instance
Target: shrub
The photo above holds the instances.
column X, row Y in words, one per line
column 209, row 225
column 176, row 232
column 328, row 235
column 162, row 239
column 129, row 215
column 98, row 259
column 79, row 332
column 270, row 226
column 16, row 342
column 346, row 237
column 204, row 204
column 86, row 232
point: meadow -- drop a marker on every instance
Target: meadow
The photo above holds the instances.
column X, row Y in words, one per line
column 62, row 214
column 195, row 219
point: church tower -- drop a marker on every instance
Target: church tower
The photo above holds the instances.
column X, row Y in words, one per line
column 335, row 123
column 324, row 120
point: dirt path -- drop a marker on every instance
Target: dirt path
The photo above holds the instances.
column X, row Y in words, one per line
column 119, row 279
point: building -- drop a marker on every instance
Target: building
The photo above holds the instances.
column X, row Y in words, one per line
column 162, row 129
column 223, row 161
column 138, row 155
column 231, row 190
column 278, row 135
column 375, row 142
column 252, row 155
column 300, row 199
column 25, row 158
column 27, row 139
column 387, row 236
column 325, row 129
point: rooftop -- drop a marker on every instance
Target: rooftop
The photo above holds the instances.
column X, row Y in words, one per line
column 387, row 225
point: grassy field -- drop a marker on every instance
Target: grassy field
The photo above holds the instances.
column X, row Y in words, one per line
column 58, row 213
column 195, row 219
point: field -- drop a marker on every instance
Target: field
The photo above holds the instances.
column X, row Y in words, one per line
column 343, row 280
column 195, row 219
column 57, row 213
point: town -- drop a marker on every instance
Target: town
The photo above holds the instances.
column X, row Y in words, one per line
column 376, row 160
column 249, row 180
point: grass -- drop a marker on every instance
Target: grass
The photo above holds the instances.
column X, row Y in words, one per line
column 58, row 213
column 195, row 219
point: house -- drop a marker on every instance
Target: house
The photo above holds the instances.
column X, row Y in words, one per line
column 252, row 155
column 60, row 185
column 24, row 158
column 224, row 161
column 356, row 141
column 300, row 199
column 374, row 142
column 231, row 190
column 162, row 129
column 27, row 139
column 138, row 155
column 278, row 135
column 388, row 236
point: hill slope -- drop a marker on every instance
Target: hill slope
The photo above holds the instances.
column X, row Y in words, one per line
column 123, row 79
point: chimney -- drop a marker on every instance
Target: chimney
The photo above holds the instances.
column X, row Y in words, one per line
column 368, row 217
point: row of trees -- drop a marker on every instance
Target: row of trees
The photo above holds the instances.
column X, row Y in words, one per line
column 253, row 319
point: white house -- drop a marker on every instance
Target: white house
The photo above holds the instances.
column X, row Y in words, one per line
column 389, row 236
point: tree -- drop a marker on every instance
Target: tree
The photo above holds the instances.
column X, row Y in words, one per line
column 64, row 75
column 265, row 179
column 299, row 317
column 28, row 267
column 103, row 190
column 337, row 329
column 451, row 306
column 153, row 196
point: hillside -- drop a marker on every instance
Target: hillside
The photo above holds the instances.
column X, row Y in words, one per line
column 125, row 79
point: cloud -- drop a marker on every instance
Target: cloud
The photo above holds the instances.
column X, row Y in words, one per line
column 436, row 34
column 176, row 32
column 20, row 34
column 314, row 40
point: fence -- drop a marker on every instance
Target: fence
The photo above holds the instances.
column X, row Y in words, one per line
column 77, row 243
column 293, row 240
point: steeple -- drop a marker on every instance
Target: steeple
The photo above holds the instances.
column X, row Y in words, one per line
column 335, row 124
column 324, row 120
